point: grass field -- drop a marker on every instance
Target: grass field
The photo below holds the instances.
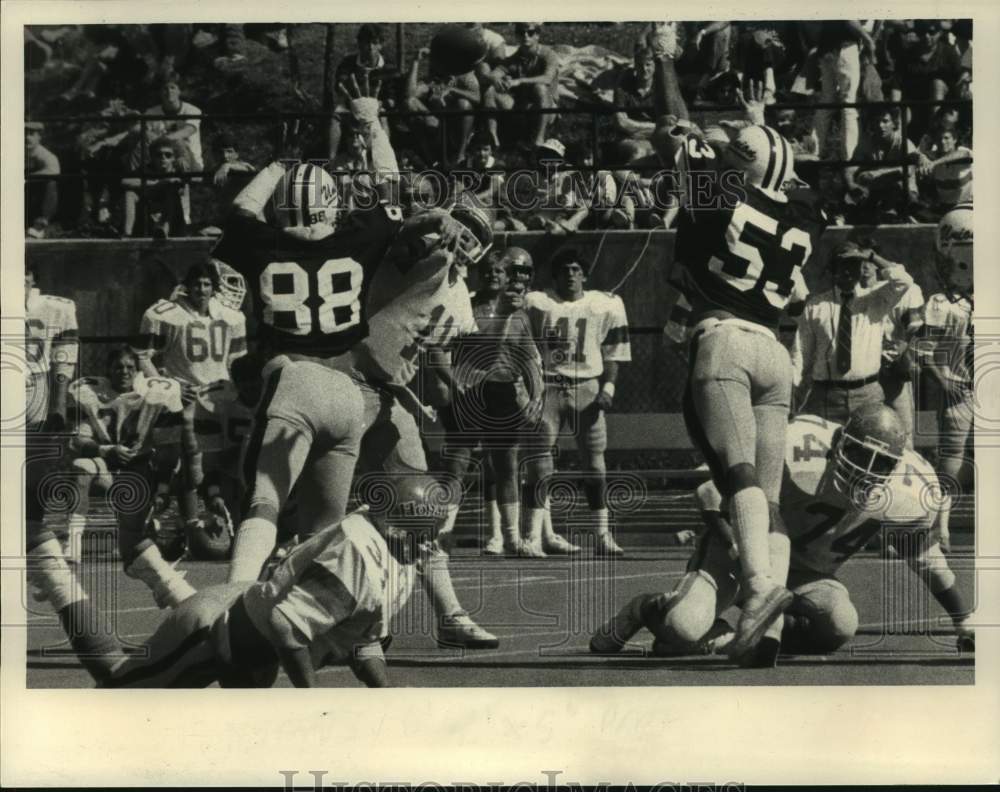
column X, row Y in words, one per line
column 544, row 611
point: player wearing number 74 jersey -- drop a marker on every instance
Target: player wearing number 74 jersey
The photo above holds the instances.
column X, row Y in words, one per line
column 742, row 240
column 842, row 486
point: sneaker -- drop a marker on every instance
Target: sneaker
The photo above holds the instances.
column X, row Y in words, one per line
column 494, row 547
column 606, row 545
column 612, row 636
column 556, row 545
column 523, row 549
column 459, row 631
column 759, row 613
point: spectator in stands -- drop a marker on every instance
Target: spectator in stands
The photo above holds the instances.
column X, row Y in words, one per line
column 950, row 172
column 496, row 52
column 593, row 193
column 104, row 152
column 634, row 90
column 883, row 194
column 800, row 134
column 929, row 145
column 927, row 68
column 116, row 69
column 706, row 56
column 368, row 67
column 441, row 92
column 186, row 131
column 832, row 190
column 480, row 172
column 41, row 196
column 837, row 353
column 232, row 175
column 839, row 53
column 759, row 52
column 160, row 206
column 528, row 79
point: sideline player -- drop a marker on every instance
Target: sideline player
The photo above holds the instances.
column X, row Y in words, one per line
column 947, row 348
column 309, row 284
column 496, row 377
column 123, row 417
column 196, row 337
column 842, row 486
column 582, row 335
column 51, row 349
column 741, row 257
column 329, row 601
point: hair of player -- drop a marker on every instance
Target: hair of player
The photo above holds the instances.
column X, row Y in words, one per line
column 119, row 352
column 202, row 269
column 371, row 33
column 567, row 256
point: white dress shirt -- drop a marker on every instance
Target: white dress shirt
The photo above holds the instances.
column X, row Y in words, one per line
column 814, row 353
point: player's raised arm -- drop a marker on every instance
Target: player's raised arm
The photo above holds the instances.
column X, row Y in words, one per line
column 668, row 103
column 364, row 105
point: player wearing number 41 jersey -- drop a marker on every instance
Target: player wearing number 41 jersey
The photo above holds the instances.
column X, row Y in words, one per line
column 841, row 487
column 743, row 236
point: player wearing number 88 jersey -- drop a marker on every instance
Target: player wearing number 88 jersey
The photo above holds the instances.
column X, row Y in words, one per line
column 742, row 239
column 842, row 486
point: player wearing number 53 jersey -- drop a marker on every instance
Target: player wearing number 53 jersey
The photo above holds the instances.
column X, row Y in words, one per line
column 742, row 239
column 841, row 487
column 582, row 336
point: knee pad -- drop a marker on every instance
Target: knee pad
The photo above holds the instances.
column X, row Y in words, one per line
column 740, row 477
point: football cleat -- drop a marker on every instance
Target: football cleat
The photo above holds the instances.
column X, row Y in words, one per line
column 763, row 655
column 612, row 636
column 521, row 548
column 494, row 547
column 759, row 612
column 458, row 630
column 557, row 545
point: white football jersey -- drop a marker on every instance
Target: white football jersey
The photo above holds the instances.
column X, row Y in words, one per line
column 51, row 341
column 576, row 337
column 113, row 418
column 343, row 597
column 949, row 326
column 193, row 348
column 824, row 531
column 409, row 312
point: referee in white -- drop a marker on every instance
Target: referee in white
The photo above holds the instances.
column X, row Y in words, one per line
column 837, row 352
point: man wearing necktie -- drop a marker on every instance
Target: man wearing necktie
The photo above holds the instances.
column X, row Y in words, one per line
column 837, row 352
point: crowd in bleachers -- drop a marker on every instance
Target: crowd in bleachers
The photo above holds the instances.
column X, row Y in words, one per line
column 117, row 176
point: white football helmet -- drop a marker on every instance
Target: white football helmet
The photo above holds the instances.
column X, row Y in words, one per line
column 954, row 248
column 306, row 198
column 764, row 156
column 232, row 286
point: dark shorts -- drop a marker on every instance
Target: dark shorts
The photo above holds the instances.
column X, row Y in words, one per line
column 489, row 413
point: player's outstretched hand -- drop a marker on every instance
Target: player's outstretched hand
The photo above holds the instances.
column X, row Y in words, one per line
column 362, row 98
column 752, row 102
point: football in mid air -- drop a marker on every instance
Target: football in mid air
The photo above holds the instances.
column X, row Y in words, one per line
column 455, row 50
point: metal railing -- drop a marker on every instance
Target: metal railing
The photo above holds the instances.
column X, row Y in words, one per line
column 595, row 112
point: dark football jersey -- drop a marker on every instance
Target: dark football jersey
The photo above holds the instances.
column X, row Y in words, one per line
column 740, row 250
column 309, row 295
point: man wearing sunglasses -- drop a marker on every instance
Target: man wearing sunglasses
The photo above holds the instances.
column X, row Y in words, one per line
column 528, row 79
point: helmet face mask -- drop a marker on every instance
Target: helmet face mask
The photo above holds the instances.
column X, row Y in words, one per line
column 866, row 451
column 232, row 286
column 475, row 239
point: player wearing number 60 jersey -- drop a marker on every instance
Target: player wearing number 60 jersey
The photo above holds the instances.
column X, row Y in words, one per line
column 841, row 487
column 742, row 239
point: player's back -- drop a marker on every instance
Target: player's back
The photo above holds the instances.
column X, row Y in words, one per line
column 741, row 248
column 309, row 295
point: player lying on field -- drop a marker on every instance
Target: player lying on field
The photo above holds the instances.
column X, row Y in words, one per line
column 841, row 487
column 329, row 601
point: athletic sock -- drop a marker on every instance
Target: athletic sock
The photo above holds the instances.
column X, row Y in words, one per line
column 169, row 588
column 751, row 523
column 255, row 540
column 509, row 524
column 435, row 578
column 74, row 537
column 601, row 522
column 780, row 548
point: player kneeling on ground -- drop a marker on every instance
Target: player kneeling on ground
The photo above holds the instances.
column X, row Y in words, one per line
column 328, row 601
column 841, row 486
